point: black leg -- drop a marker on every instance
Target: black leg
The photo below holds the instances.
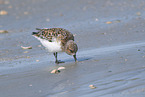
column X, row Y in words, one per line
column 57, row 61
column 55, row 55
column 75, row 58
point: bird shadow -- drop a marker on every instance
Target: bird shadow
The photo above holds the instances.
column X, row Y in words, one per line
column 79, row 59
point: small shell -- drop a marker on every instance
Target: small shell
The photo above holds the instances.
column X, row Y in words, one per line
column 96, row 19
column 55, row 71
column 92, row 86
column 60, row 68
column 29, row 47
column 30, row 85
column 3, row 31
column 37, row 60
column 109, row 22
column 3, row 12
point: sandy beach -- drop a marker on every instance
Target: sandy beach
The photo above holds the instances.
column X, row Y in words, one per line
column 110, row 35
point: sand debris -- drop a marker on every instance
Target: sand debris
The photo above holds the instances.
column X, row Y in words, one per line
column 48, row 20
column 138, row 13
column 60, row 68
column 3, row 12
column 27, row 56
column 96, row 19
column 10, row 6
column 55, row 71
column 37, row 60
column 29, row 47
column 61, row 14
column 39, row 46
column 104, row 33
column 117, row 21
column 3, row 31
column 74, row 34
column 30, row 85
column 26, row 13
column 40, row 91
column 26, row 52
column 109, row 22
column 126, row 60
column 6, row 2
column 92, row 86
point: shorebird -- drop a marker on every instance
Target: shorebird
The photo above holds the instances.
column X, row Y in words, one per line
column 57, row 40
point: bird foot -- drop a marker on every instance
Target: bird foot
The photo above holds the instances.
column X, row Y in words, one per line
column 59, row 61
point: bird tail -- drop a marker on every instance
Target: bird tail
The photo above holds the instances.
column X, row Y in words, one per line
column 34, row 33
column 38, row 29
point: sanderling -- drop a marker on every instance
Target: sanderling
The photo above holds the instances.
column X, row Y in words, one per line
column 57, row 40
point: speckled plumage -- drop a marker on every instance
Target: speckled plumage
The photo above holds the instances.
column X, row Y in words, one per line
column 59, row 33
column 56, row 40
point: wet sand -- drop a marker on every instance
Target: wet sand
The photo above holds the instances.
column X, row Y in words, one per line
column 110, row 35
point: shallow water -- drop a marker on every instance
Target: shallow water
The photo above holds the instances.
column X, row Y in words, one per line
column 113, row 73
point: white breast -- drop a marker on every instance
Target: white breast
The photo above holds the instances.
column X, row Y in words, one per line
column 51, row 46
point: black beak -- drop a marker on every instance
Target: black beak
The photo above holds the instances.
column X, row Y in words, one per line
column 75, row 58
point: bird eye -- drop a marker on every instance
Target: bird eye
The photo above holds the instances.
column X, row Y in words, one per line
column 71, row 51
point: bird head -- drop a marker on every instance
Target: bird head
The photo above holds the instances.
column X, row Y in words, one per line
column 71, row 48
